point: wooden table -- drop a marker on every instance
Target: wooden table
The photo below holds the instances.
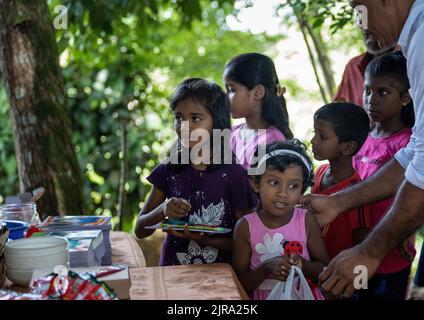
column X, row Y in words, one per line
column 125, row 250
column 189, row 282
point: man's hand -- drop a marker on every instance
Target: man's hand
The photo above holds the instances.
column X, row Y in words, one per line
column 324, row 207
column 338, row 278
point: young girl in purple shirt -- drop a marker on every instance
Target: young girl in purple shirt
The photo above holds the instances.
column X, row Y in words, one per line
column 201, row 190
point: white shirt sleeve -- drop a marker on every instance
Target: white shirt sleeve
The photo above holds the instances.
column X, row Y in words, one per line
column 405, row 155
column 412, row 156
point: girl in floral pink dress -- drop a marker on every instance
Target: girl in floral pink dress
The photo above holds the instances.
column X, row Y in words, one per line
column 259, row 238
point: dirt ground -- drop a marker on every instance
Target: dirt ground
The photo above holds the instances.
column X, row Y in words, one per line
column 151, row 247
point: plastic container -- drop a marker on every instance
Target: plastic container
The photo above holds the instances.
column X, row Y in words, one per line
column 20, row 212
column 26, row 255
column 37, row 246
column 16, row 228
column 42, row 261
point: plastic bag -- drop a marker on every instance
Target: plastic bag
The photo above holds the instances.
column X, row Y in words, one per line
column 294, row 288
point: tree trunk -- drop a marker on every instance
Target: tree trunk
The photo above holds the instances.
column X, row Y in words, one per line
column 40, row 119
column 323, row 59
column 324, row 63
column 313, row 62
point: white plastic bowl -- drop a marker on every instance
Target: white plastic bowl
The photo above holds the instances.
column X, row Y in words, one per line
column 37, row 253
column 28, row 246
column 19, row 277
column 43, row 261
column 22, row 277
column 23, row 256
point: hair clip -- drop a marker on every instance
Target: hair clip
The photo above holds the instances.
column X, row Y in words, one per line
column 280, row 90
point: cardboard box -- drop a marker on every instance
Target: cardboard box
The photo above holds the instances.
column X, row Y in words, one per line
column 119, row 282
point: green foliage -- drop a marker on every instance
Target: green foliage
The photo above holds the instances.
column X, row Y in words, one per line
column 121, row 59
column 337, row 13
column 334, row 18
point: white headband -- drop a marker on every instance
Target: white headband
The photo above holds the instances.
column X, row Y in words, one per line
column 285, row 152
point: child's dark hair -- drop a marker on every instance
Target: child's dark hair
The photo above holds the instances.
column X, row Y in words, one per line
column 213, row 98
column 252, row 69
column 349, row 121
column 393, row 65
column 208, row 94
column 284, row 161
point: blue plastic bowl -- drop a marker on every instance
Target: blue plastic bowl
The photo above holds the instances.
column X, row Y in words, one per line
column 16, row 228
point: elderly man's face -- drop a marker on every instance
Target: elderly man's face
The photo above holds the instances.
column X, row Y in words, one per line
column 379, row 14
column 372, row 45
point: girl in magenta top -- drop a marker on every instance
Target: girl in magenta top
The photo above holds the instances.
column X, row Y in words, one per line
column 389, row 105
column 256, row 95
column 260, row 237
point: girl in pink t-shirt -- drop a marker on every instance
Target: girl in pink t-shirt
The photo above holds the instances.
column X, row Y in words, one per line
column 389, row 105
column 256, row 95
column 260, row 237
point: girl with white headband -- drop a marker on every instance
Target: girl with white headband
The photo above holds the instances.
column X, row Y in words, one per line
column 260, row 237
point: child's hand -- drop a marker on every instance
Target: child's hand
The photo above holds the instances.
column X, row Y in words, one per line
column 296, row 260
column 275, row 268
column 286, row 265
column 176, row 208
column 288, row 262
column 280, row 267
column 199, row 237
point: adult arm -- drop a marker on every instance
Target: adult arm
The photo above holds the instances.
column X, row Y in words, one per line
column 382, row 185
column 402, row 220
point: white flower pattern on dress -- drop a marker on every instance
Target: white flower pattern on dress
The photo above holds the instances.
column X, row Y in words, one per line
column 212, row 216
column 270, row 248
column 197, row 255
